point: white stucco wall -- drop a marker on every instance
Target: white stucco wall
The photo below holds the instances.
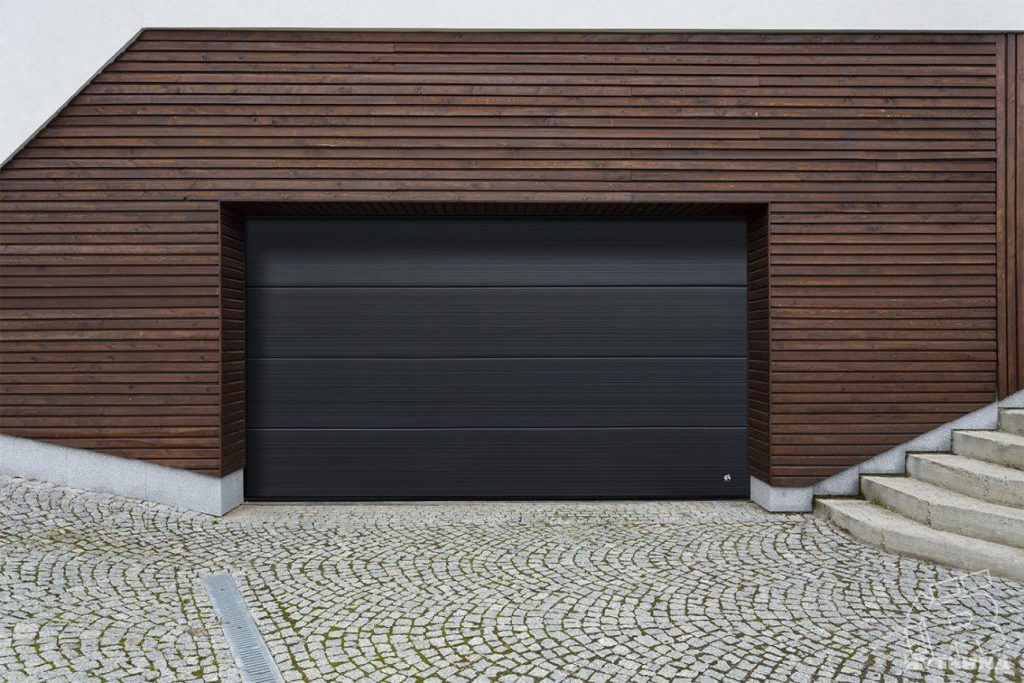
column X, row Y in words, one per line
column 50, row 48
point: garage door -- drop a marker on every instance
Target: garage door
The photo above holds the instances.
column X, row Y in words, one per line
column 496, row 358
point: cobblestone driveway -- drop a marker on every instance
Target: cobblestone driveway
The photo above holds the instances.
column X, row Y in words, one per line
column 96, row 587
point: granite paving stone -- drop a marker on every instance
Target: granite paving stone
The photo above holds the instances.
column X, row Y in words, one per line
column 95, row 587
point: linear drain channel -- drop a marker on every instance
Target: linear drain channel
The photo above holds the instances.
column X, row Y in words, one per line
column 252, row 657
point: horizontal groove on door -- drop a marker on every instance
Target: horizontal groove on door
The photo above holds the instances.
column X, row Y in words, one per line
column 480, row 464
column 501, row 252
column 495, row 393
column 418, row 322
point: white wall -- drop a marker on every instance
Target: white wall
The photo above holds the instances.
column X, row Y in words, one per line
column 50, row 48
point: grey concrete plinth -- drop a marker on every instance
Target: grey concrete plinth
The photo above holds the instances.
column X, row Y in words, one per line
column 89, row 471
column 892, row 461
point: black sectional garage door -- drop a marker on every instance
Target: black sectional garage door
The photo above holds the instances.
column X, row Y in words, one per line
column 496, row 358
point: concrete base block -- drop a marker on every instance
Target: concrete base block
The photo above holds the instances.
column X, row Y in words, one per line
column 89, row 471
column 892, row 461
column 106, row 474
column 839, row 484
column 889, row 462
column 166, row 485
column 781, row 498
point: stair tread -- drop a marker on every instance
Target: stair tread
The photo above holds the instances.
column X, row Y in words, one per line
column 903, row 535
column 994, row 435
column 982, row 468
column 937, row 495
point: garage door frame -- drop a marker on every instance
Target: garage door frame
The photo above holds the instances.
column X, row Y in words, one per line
column 233, row 289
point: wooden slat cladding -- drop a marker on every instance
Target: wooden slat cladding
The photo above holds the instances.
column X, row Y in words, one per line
column 1010, row 212
column 759, row 426
column 1014, row 149
column 232, row 340
column 889, row 161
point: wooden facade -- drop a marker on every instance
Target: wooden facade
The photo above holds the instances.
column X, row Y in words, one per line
column 886, row 274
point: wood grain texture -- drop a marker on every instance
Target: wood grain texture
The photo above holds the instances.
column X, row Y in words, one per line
column 232, row 340
column 759, row 424
column 890, row 163
column 1014, row 150
column 1010, row 213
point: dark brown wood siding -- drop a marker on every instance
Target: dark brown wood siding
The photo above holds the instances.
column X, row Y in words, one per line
column 758, row 347
column 888, row 161
column 232, row 340
column 1010, row 212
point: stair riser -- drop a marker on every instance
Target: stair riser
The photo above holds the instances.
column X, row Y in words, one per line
column 1012, row 422
column 958, row 520
column 971, row 446
column 960, row 553
column 991, row 489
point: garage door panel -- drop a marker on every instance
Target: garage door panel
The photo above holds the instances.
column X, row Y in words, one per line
column 494, row 252
column 480, row 322
column 496, row 358
column 451, row 464
column 534, row 392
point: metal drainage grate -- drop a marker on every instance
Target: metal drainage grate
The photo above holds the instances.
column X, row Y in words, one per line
column 252, row 657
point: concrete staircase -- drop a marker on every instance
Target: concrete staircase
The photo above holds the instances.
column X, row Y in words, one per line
column 963, row 509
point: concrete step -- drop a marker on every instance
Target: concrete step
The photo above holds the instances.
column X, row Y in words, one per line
column 876, row 526
column 1000, row 448
column 1012, row 420
column 946, row 510
column 976, row 478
